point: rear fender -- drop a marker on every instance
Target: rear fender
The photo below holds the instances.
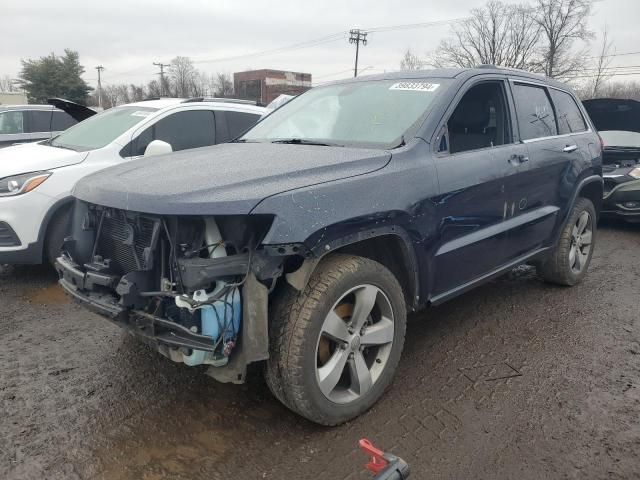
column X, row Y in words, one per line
column 591, row 187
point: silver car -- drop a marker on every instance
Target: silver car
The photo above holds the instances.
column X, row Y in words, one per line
column 30, row 123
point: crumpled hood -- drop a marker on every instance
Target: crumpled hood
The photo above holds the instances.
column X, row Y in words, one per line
column 32, row 157
column 225, row 179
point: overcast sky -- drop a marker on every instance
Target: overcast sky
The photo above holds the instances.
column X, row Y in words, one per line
column 127, row 36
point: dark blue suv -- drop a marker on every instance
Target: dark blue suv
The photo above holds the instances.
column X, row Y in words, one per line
column 303, row 244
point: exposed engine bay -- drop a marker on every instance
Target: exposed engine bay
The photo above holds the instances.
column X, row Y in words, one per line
column 175, row 281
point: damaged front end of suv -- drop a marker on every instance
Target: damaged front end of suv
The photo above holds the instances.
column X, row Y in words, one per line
column 193, row 287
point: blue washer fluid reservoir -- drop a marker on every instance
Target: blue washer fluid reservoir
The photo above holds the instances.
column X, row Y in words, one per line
column 215, row 323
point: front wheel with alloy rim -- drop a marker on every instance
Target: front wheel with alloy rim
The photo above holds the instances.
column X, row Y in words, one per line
column 570, row 259
column 335, row 346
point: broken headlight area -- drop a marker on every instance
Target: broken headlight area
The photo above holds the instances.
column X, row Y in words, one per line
column 178, row 281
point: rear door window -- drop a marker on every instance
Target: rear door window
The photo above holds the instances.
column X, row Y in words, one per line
column 536, row 117
column 570, row 119
column 39, row 121
column 182, row 130
column 11, row 123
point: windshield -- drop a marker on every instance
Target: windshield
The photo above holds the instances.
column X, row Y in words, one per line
column 618, row 138
column 101, row 129
column 371, row 113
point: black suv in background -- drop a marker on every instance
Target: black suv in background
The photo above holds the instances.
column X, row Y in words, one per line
column 618, row 124
column 304, row 244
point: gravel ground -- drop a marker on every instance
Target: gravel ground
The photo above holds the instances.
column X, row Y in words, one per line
column 517, row 379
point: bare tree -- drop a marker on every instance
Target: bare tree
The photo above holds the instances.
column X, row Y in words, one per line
column 602, row 72
column 153, row 89
column 182, row 74
column 137, row 93
column 562, row 22
column 7, row 84
column 410, row 61
column 624, row 90
column 123, row 94
column 497, row 34
column 223, row 84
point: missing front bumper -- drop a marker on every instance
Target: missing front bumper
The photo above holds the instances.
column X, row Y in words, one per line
column 166, row 336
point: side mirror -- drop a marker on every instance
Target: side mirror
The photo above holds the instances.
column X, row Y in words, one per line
column 157, row 147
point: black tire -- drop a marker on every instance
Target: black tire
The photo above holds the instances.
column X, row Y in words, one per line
column 56, row 232
column 558, row 267
column 295, row 331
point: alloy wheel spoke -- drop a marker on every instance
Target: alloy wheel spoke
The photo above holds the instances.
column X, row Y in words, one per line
column 587, row 238
column 335, row 327
column 361, row 380
column 379, row 333
column 365, row 300
column 578, row 259
column 582, row 222
column 583, row 258
column 329, row 374
column 572, row 256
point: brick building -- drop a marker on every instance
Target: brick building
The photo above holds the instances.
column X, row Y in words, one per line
column 265, row 85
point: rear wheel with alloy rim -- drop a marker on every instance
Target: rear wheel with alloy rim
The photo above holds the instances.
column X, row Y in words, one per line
column 569, row 261
column 335, row 346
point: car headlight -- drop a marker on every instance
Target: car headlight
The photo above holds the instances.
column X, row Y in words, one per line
column 19, row 184
column 635, row 173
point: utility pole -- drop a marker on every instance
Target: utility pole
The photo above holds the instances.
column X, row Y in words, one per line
column 99, row 68
column 357, row 36
column 161, row 73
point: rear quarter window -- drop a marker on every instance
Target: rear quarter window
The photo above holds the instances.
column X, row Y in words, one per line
column 570, row 119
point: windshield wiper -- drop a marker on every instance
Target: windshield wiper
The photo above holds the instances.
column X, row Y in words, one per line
column 401, row 143
column 302, row 141
column 60, row 145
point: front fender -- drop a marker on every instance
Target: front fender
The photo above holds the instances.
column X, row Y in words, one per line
column 358, row 237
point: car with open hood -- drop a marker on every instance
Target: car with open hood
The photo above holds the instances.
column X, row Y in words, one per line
column 36, row 178
column 303, row 244
column 31, row 123
column 618, row 123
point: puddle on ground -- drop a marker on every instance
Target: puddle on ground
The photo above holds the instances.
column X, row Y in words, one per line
column 51, row 295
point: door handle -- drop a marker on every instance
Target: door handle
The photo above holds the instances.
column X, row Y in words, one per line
column 570, row 148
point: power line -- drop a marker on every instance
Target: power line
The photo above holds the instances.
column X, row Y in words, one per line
column 311, row 43
column 328, row 39
column 410, row 26
column 622, row 74
column 616, row 55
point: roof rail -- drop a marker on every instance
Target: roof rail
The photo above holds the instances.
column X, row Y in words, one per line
column 219, row 99
column 487, row 65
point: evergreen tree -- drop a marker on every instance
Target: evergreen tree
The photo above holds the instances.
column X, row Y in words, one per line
column 54, row 76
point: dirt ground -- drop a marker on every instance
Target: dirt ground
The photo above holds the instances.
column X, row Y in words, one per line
column 517, row 379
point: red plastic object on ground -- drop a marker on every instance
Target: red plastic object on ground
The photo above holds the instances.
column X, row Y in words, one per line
column 384, row 465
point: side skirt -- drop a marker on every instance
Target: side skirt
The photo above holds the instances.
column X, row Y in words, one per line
column 454, row 292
